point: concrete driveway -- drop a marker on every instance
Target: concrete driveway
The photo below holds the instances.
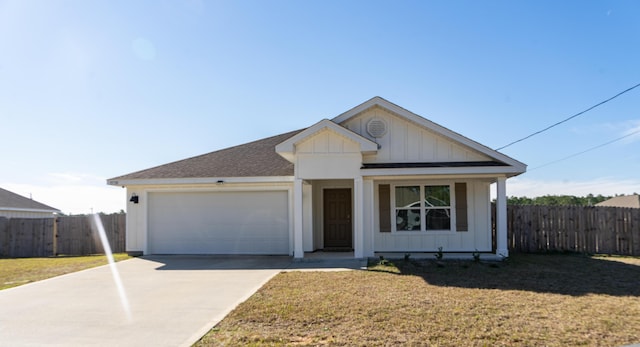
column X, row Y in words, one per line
column 173, row 301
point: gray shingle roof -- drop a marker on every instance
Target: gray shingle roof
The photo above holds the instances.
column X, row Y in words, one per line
column 15, row 201
column 252, row 159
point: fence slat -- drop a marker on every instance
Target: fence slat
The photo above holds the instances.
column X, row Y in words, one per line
column 634, row 227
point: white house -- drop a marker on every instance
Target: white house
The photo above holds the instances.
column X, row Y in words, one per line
column 377, row 179
column 13, row 205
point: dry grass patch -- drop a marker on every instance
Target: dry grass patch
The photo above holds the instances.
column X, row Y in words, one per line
column 533, row 300
column 18, row 271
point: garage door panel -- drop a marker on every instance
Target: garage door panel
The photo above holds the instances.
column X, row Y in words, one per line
column 219, row 223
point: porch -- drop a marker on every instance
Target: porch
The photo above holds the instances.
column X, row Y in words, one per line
column 344, row 215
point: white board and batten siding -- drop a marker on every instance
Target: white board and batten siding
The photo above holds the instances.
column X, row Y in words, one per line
column 210, row 222
column 405, row 141
column 478, row 237
column 35, row 214
column 328, row 155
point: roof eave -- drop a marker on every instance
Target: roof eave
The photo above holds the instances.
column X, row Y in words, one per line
column 287, row 148
column 199, row 180
column 481, row 170
column 39, row 210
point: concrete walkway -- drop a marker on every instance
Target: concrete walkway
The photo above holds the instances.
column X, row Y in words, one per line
column 173, row 300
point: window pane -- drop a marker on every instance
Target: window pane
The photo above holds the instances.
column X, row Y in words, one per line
column 407, row 196
column 407, row 208
column 438, row 219
column 407, row 220
column 437, row 196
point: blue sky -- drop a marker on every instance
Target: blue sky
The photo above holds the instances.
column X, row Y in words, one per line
column 90, row 90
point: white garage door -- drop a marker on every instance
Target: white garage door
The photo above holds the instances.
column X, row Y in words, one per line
column 218, row 223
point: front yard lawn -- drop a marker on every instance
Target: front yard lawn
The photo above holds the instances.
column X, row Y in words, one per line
column 529, row 300
column 18, row 271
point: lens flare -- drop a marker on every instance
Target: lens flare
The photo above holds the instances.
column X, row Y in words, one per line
column 97, row 224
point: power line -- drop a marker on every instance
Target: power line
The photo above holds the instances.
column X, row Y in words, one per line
column 567, row 119
column 586, row 150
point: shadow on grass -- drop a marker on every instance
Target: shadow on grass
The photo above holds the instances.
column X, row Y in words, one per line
column 565, row 274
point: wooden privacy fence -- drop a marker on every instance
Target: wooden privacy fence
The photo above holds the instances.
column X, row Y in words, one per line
column 22, row 237
column 75, row 235
column 586, row 229
column 78, row 235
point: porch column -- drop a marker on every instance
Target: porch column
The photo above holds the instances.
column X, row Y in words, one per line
column 501, row 218
column 358, row 218
column 298, row 251
column 368, row 227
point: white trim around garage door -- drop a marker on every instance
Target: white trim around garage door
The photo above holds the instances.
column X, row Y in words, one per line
column 219, row 220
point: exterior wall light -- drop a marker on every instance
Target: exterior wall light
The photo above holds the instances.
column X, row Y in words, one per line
column 134, row 198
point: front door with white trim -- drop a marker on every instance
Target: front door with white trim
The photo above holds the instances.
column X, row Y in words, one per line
column 338, row 229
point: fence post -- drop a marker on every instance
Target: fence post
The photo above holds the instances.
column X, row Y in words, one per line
column 634, row 221
column 4, row 237
column 55, row 236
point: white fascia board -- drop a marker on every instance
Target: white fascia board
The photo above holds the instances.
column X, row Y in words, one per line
column 288, row 146
column 288, row 155
column 487, row 170
column 484, row 177
column 200, row 180
column 16, row 209
column 378, row 101
column 360, row 108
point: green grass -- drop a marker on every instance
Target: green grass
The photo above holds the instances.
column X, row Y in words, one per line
column 18, row 271
column 530, row 300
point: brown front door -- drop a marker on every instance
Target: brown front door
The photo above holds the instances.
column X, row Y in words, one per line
column 337, row 219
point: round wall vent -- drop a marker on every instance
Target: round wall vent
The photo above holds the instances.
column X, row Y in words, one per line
column 377, row 128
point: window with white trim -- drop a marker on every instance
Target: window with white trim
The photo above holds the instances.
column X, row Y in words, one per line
column 422, row 207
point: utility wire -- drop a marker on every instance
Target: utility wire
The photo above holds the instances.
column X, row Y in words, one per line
column 586, row 150
column 567, row 119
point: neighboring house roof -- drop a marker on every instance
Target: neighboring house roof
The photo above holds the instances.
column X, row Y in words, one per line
column 253, row 159
column 632, row 201
column 13, row 201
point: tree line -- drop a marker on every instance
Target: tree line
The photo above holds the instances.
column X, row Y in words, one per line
column 588, row 200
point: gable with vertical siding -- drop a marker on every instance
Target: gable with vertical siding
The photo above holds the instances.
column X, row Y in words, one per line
column 405, row 141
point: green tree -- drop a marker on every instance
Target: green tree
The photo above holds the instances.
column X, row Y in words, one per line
column 554, row 200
